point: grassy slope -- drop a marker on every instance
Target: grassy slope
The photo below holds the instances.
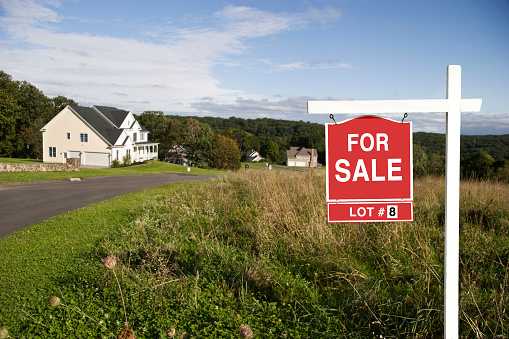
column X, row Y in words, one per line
column 256, row 249
column 19, row 161
column 36, row 261
column 155, row 167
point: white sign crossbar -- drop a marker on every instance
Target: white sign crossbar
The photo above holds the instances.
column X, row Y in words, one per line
column 390, row 106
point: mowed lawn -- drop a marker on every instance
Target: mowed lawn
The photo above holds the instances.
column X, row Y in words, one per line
column 154, row 167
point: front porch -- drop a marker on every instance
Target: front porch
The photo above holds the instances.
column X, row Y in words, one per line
column 145, row 151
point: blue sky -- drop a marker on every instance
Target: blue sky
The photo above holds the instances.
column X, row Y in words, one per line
column 261, row 58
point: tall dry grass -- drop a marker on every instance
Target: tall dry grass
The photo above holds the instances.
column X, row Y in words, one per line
column 263, row 236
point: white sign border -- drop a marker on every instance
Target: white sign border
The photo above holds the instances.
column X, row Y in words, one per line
column 369, row 202
column 411, row 198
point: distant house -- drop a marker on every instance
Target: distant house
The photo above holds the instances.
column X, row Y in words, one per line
column 177, row 155
column 253, row 155
column 301, row 157
column 96, row 135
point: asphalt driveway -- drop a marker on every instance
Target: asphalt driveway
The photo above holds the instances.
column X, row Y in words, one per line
column 24, row 204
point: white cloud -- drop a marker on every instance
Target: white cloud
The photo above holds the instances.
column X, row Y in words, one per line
column 293, row 108
column 313, row 65
column 30, row 12
column 482, row 124
column 327, row 14
column 248, row 22
column 129, row 73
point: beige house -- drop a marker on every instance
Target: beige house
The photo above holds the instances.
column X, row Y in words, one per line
column 96, row 135
column 301, row 157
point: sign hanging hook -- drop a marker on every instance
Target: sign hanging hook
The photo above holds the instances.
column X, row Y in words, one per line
column 404, row 117
column 332, row 117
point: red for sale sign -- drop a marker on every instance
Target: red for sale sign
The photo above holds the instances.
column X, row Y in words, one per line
column 369, row 159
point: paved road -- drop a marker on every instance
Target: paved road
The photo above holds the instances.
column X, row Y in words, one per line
column 24, row 204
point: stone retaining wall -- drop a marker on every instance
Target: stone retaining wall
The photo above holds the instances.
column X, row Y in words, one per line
column 38, row 167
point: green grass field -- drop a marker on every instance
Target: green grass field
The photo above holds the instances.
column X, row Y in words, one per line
column 154, row 167
column 254, row 248
column 19, row 161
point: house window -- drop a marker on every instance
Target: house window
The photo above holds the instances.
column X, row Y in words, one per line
column 84, row 137
column 135, row 137
column 68, row 136
column 52, row 152
column 117, row 155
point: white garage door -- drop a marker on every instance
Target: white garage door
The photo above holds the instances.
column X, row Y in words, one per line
column 291, row 163
column 96, row 159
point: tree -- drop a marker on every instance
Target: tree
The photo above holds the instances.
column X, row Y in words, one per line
column 420, row 161
column 251, row 143
column 9, row 114
column 156, row 122
column 478, row 165
column 59, row 103
column 436, row 164
column 239, row 136
column 227, row 155
column 501, row 170
column 34, row 104
column 198, row 143
column 272, row 151
column 7, row 84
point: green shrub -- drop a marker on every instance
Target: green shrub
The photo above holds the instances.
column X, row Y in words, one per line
column 126, row 160
column 116, row 163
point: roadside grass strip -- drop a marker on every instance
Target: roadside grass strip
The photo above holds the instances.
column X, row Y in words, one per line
column 154, row 167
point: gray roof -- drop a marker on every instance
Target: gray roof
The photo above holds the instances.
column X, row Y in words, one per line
column 113, row 114
column 294, row 151
column 99, row 123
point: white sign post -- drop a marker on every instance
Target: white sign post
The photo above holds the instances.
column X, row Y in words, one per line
column 452, row 106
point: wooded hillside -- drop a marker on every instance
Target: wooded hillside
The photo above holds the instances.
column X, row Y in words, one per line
column 24, row 109
column 495, row 145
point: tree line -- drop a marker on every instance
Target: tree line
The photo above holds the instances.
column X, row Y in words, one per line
column 270, row 137
column 223, row 143
column 482, row 156
column 24, row 110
